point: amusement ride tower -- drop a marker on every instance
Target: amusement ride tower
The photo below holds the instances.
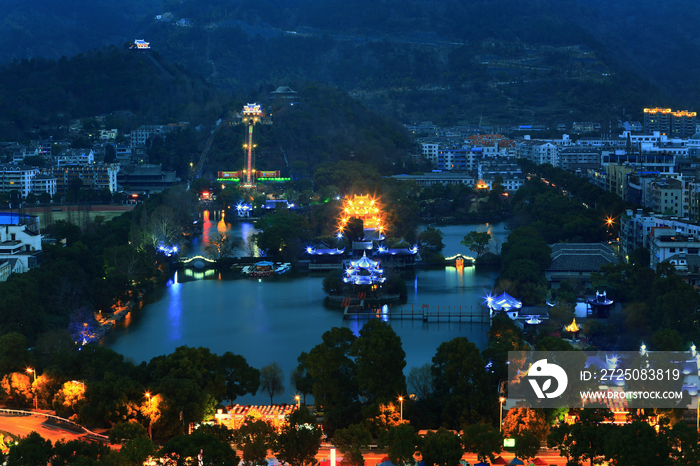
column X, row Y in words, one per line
column 252, row 113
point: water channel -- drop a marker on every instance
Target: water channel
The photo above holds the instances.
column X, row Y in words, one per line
column 276, row 318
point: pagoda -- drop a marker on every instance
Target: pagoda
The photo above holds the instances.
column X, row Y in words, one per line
column 365, row 208
column 599, row 306
column 364, row 271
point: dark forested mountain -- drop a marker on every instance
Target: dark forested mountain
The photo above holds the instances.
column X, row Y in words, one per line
column 49, row 93
column 449, row 60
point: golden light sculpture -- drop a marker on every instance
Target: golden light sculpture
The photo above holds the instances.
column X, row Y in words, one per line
column 573, row 327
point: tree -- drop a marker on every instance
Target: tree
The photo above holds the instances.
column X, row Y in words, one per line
column 214, row 451
column 333, row 370
column 271, row 380
column 420, row 381
column 183, row 402
column 525, row 419
column 441, row 448
column 136, row 451
column 69, row 399
column 18, row 387
column 14, row 356
column 354, row 230
column 31, row 450
column 462, row 382
column 477, row 241
column 380, row 361
column 482, row 440
column 125, row 431
column 221, row 245
column 240, row 378
column 81, row 453
column 431, row 238
column 350, row 442
column 282, row 235
column 527, row 445
column 300, row 376
column 582, row 440
column 300, row 439
column 637, row 443
column 253, row 438
column 333, row 282
column 400, row 443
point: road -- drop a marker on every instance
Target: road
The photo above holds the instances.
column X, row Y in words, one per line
column 25, row 425
column 373, row 458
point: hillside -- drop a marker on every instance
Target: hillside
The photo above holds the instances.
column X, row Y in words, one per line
column 499, row 60
column 43, row 96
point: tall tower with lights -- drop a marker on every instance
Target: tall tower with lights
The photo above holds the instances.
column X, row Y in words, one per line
column 252, row 114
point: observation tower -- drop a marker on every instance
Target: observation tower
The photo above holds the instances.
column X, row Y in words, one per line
column 252, row 114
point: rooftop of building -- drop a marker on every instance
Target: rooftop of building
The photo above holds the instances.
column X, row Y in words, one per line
column 581, row 256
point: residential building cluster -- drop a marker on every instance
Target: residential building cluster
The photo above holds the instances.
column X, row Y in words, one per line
column 128, row 172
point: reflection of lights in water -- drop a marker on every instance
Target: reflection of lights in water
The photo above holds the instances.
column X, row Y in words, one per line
column 221, row 226
column 199, row 274
column 175, row 310
column 355, row 326
column 127, row 319
column 249, row 246
column 206, row 225
column 385, row 313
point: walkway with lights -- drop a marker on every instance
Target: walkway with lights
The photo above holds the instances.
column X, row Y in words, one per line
column 477, row 314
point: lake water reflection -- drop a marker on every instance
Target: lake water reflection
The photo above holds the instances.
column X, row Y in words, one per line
column 276, row 318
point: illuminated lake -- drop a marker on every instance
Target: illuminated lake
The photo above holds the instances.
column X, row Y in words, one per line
column 276, row 318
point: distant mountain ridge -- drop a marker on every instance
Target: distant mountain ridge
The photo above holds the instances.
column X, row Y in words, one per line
column 503, row 58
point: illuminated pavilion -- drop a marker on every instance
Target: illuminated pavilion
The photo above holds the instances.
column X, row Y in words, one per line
column 364, row 271
column 365, row 208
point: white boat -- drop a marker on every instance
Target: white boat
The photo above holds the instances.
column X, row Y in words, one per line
column 286, row 267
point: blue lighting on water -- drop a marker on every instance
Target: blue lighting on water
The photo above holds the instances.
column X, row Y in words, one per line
column 385, row 313
column 175, row 309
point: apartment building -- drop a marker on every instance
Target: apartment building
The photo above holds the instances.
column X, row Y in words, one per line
column 17, row 178
column 20, row 241
column 95, row 176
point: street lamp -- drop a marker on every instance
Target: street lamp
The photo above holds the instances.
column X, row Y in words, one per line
column 296, row 397
column 501, row 400
column 401, row 401
column 34, row 390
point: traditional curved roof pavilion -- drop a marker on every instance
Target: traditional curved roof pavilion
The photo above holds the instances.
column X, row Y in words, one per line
column 364, row 271
column 365, row 208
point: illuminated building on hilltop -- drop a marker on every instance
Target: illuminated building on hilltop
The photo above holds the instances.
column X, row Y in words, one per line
column 680, row 123
column 141, row 44
column 683, row 123
column 366, row 209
